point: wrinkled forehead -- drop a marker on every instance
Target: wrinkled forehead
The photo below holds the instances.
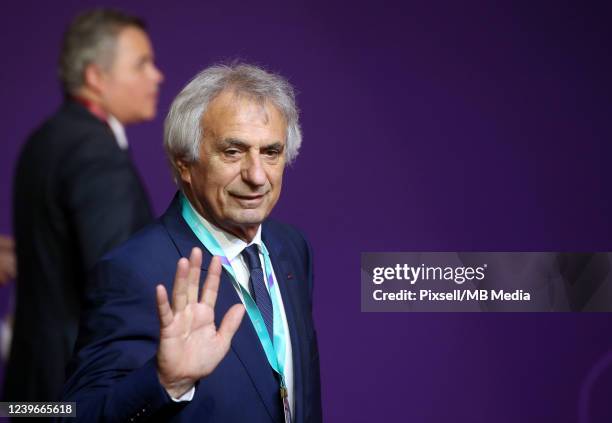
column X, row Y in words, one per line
column 234, row 108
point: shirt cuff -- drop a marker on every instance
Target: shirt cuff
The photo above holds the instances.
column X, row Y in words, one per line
column 187, row 396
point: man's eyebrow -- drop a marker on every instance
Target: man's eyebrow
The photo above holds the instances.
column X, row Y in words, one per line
column 238, row 143
column 234, row 142
column 146, row 58
column 275, row 145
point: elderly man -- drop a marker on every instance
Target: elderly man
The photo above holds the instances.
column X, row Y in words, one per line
column 229, row 135
column 77, row 194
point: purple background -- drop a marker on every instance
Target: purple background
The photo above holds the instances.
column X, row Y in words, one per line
column 447, row 126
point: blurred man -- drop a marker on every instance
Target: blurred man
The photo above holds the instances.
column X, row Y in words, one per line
column 229, row 135
column 77, row 193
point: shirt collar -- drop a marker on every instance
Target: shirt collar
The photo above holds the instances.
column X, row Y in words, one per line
column 118, row 131
column 93, row 108
column 231, row 245
column 115, row 126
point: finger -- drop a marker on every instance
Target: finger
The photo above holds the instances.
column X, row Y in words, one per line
column 179, row 290
column 193, row 285
column 163, row 307
column 211, row 285
column 231, row 322
column 6, row 243
column 10, row 266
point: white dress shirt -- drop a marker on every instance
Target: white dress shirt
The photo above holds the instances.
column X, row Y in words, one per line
column 232, row 248
column 118, row 131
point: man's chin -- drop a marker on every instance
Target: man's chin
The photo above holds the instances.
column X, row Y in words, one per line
column 249, row 217
column 149, row 115
column 254, row 221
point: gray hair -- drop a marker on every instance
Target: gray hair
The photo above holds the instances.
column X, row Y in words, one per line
column 183, row 128
column 91, row 38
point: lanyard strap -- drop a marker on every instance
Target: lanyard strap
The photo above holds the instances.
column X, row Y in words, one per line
column 275, row 351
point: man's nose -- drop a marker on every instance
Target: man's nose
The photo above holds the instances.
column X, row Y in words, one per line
column 156, row 74
column 253, row 171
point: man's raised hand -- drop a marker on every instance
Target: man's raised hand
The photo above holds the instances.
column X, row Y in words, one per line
column 190, row 346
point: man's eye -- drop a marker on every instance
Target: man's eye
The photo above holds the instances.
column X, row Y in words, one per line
column 272, row 153
column 232, row 152
column 141, row 64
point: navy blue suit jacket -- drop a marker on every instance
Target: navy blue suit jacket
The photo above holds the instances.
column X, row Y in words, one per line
column 113, row 376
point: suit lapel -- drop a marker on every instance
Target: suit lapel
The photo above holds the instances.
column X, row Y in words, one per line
column 248, row 349
column 288, row 289
column 245, row 343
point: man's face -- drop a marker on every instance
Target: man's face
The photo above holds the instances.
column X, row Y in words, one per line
column 129, row 88
column 237, row 180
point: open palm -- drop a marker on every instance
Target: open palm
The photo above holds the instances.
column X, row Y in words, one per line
column 190, row 346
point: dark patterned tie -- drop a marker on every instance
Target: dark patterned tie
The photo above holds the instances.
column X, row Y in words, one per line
column 257, row 286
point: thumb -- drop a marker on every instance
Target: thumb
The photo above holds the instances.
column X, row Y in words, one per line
column 231, row 321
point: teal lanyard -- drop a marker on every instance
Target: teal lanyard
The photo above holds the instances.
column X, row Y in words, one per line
column 275, row 351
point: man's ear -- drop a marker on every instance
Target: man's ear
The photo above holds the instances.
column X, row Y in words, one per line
column 183, row 169
column 94, row 78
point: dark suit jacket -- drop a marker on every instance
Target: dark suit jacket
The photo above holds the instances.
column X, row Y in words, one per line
column 115, row 375
column 76, row 195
